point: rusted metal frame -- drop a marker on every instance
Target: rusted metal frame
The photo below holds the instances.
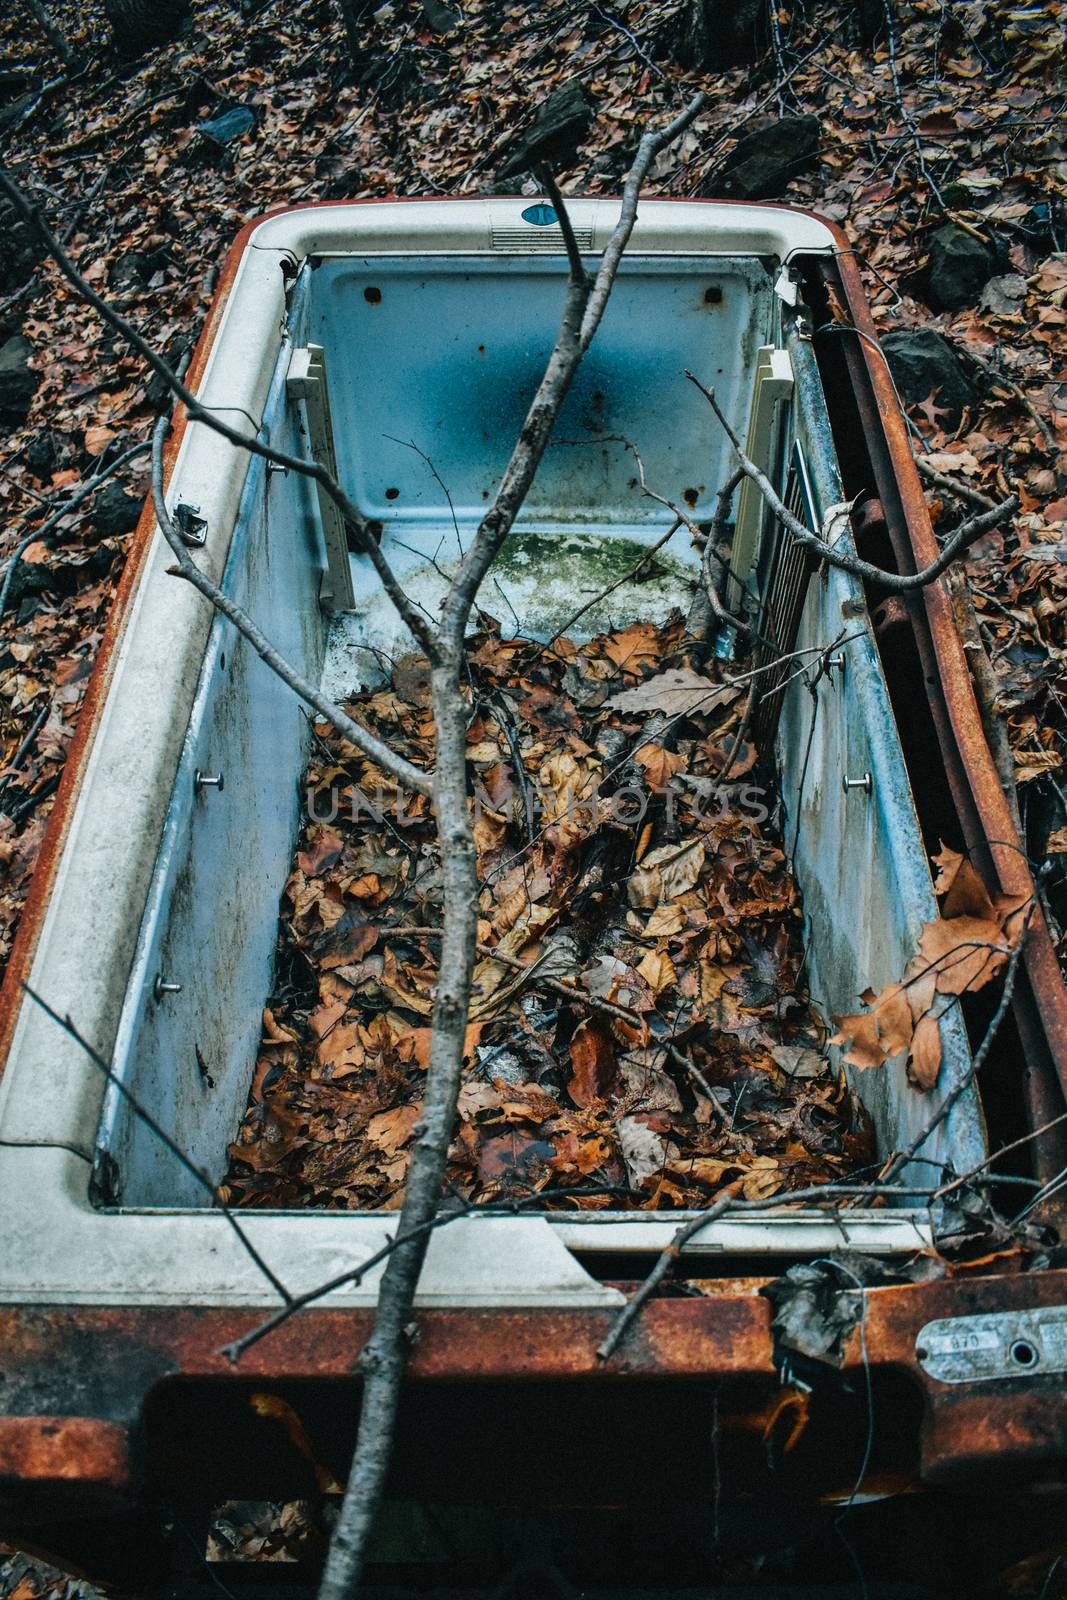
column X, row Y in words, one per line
column 726, row 1335
column 1040, row 1004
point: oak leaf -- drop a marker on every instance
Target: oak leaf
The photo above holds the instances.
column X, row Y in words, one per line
column 391, row 1129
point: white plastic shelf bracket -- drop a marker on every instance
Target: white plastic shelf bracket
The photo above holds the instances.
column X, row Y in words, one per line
column 306, row 381
column 773, row 382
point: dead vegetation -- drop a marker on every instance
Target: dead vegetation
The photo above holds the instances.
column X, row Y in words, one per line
column 639, row 1032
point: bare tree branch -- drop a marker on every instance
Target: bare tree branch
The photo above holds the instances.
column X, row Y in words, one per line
column 164, row 1138
column 418, row 625
column 963, row 491
column 185, row 567
column 383, row 1358
column 900, row 583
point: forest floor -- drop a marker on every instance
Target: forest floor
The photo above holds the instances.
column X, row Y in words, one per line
column 928, row 117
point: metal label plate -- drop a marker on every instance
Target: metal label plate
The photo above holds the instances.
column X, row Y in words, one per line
column 1002, row 1344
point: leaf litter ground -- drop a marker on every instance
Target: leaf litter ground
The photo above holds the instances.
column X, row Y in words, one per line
column 640, row 1033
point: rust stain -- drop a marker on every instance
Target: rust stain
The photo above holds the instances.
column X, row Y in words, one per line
column 64, row 1450
column 986, row 821
column 725, row 1336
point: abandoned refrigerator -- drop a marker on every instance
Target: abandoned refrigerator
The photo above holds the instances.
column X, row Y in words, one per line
column 350, row 335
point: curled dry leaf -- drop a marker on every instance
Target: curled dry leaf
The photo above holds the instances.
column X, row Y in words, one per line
column 677, row 692
column 959, row 953
column 592, row 1053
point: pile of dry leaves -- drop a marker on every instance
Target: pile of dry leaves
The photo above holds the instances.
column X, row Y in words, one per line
column 640, row 1032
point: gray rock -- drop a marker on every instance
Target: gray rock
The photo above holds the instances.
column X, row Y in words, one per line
column 42, row 455
column 18, row 381
column 923, row 364
column 232, row 124
column 764, row 161
column 561, row 124
column 959, row 265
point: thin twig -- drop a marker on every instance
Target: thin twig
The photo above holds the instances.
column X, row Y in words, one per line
column 184, row 567
column 900, row 1160
column 963, row 537
column 367, row 544
column 627, row 577
column 1005, row 1149
column 164, row 1137
column 728, row 1201
column 963, row 491
column 1041, row 423
column 354, row 1275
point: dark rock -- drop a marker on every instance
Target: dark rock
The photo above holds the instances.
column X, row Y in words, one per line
column 129, row 271
column 137, row 25
column 232, row 124
column 924, row 364
column 114, row 511
column 14, row 83
column 959, row 266
column 21, row 251
column 42, row 455
column 439, row 17
column 561, row 124
column 869, row 19
column 765, row 160
column 711, row 34
column 136, row 269
column 29, row 579
column 18, row 381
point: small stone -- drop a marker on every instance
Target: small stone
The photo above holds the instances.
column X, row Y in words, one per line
column 958, row 267
column 18, row 381
column 114, row 511
column 42, row 455
column 232, row 124
column 924, row 364
column 766, row 160
column 561, row 124
column 440, row 19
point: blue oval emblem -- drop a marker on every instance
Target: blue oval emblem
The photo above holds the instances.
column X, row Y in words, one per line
column 540, row 216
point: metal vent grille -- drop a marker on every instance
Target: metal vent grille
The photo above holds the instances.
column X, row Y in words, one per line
column 790, row 567
column 524, row 241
